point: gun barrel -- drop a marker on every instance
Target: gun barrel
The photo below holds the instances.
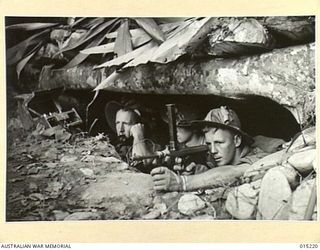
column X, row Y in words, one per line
column 189, row 151
column 177, row 153
column 171, row 109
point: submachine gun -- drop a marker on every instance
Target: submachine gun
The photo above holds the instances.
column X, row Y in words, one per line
column 196, row 154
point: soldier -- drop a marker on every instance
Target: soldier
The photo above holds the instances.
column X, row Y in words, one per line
column 126, row 120
column 187, row 136
column 230, row 150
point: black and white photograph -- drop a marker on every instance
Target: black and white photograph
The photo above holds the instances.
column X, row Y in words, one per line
column 160, row 118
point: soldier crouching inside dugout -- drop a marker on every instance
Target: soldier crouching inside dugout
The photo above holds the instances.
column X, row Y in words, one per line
column 188, row 136
column 231, row 150
column 126, row 119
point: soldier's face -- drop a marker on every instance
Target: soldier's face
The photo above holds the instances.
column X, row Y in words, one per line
column 222, row 145
column 125, row 119
column 183, row 134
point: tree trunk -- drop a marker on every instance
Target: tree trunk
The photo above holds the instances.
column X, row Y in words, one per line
column 284, row 75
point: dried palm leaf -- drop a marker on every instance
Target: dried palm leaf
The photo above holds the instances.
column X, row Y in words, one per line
column 23, row 63
column 90, row 34
column 123, row 44
column 184, row 41
column 17, row 52
column 152, row 28
column 114, row 77
column 79, row 58
column 30, row 26
column 129, row 56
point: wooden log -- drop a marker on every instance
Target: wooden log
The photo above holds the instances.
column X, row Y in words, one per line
column 80, row 77
column 284, row 75
column 241, row 36
column 290, row 30
column 245, row 36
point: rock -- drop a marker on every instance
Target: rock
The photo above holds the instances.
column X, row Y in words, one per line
column 290, row 173
column 51, row 154
column 300, row 200
column 308, row 135
column 59, row 215
column 174, row 215
column 153, row 214
column 62, row 135
column 203, row 217
column 33, row 187
column 242, row 202
column 133, row 191
column 83, row 216
column 87, row 172
column 190, row 203
column 260, row 167
column 302, row 161
column 37, row 196
column 51, row 164
column 54, row 189
column 110, row 162
column 161, row 207
column 171, row 199
column 69, row 158
column 33, row 170
column 275, row 192
column 217, row 193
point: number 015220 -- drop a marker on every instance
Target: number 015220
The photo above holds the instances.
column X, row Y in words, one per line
column 309, row 246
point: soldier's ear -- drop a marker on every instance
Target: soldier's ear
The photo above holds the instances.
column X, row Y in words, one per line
column 237, row 140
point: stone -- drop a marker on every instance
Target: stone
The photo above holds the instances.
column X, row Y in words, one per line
column 190, row 203
column 59, row 214
column 260, row 167
column 171, row 198
column 291, row 174
column 110, row 162
column 153, row 214
column 274, row 194
column 307, row 136
column 87, row 172
column 161, row 207
column 33, row 187
column 242, row 202
column 203, row 217
column 302, row 161
column 83, row 216
column 134, row 191
column 69, row 158
column 300, row 200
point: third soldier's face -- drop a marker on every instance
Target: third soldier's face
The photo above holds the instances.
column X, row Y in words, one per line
column 124, row 121
column 183, row 134
column 222, row 146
